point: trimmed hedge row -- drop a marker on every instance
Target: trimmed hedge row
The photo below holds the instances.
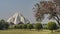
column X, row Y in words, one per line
column 51, row 26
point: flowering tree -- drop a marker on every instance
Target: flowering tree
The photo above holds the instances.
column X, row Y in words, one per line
column 47, row 7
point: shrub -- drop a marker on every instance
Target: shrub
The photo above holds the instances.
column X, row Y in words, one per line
column 52, row 26
column 38, row 26
column 18, row 26
column 30, row 26
column 6, row 25
column 24, row 26
column 12, row 26
column 3, row 25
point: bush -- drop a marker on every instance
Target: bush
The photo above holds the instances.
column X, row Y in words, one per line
column 3, row 25
column 24, row 26
column 38, row 26
column 6, row 25
column 52, row 26
column 30, row 26
column 12, row 26
column 18, row 26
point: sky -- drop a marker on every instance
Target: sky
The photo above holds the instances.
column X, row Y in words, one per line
column 9, row 7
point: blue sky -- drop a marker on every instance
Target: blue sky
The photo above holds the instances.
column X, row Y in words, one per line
column 9, row 7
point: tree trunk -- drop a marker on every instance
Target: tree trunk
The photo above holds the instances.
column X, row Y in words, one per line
column 58, row 22
column 51, row 31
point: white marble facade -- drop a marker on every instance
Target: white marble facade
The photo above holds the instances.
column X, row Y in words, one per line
column 17, row 18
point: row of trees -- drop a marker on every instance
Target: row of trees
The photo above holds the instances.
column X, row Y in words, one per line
column 24, row 26
column 38, row 26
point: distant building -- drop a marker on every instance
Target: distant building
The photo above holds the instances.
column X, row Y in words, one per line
column 17, row 18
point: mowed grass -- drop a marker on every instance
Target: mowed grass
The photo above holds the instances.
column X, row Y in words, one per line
column 19, row 31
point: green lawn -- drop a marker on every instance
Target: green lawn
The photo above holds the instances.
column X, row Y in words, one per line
column 18, row 31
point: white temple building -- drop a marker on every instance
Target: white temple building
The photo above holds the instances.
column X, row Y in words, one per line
column 17, row 18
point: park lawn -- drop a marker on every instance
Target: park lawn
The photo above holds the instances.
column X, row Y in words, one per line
column 18, row 31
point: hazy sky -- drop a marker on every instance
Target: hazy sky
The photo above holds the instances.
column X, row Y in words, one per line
column 9, row 7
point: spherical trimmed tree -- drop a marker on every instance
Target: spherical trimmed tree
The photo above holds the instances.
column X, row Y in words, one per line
column 3, row 25
column 30, row 26
column 52, row 26
column 38, row 26
column 6, row 25
column 18, row 26
column 24, row 26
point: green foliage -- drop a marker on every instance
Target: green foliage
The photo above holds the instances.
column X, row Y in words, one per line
column 30, row 26
column 3, row 25
column 24, row 26
column 6, row 25
column 52, row 26
column 18, row 26
column 12, row 27
column 38, row 26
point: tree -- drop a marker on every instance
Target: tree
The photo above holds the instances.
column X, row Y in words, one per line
column 18, row 26
column 29, row 26
column 6, row 25
column 24, row 26
column 47, row 7
column 3, row 25
column 52, row 26
column 38, row 26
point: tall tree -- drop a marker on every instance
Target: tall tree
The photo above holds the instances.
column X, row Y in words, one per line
column 3, row 25
column 47, row 7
